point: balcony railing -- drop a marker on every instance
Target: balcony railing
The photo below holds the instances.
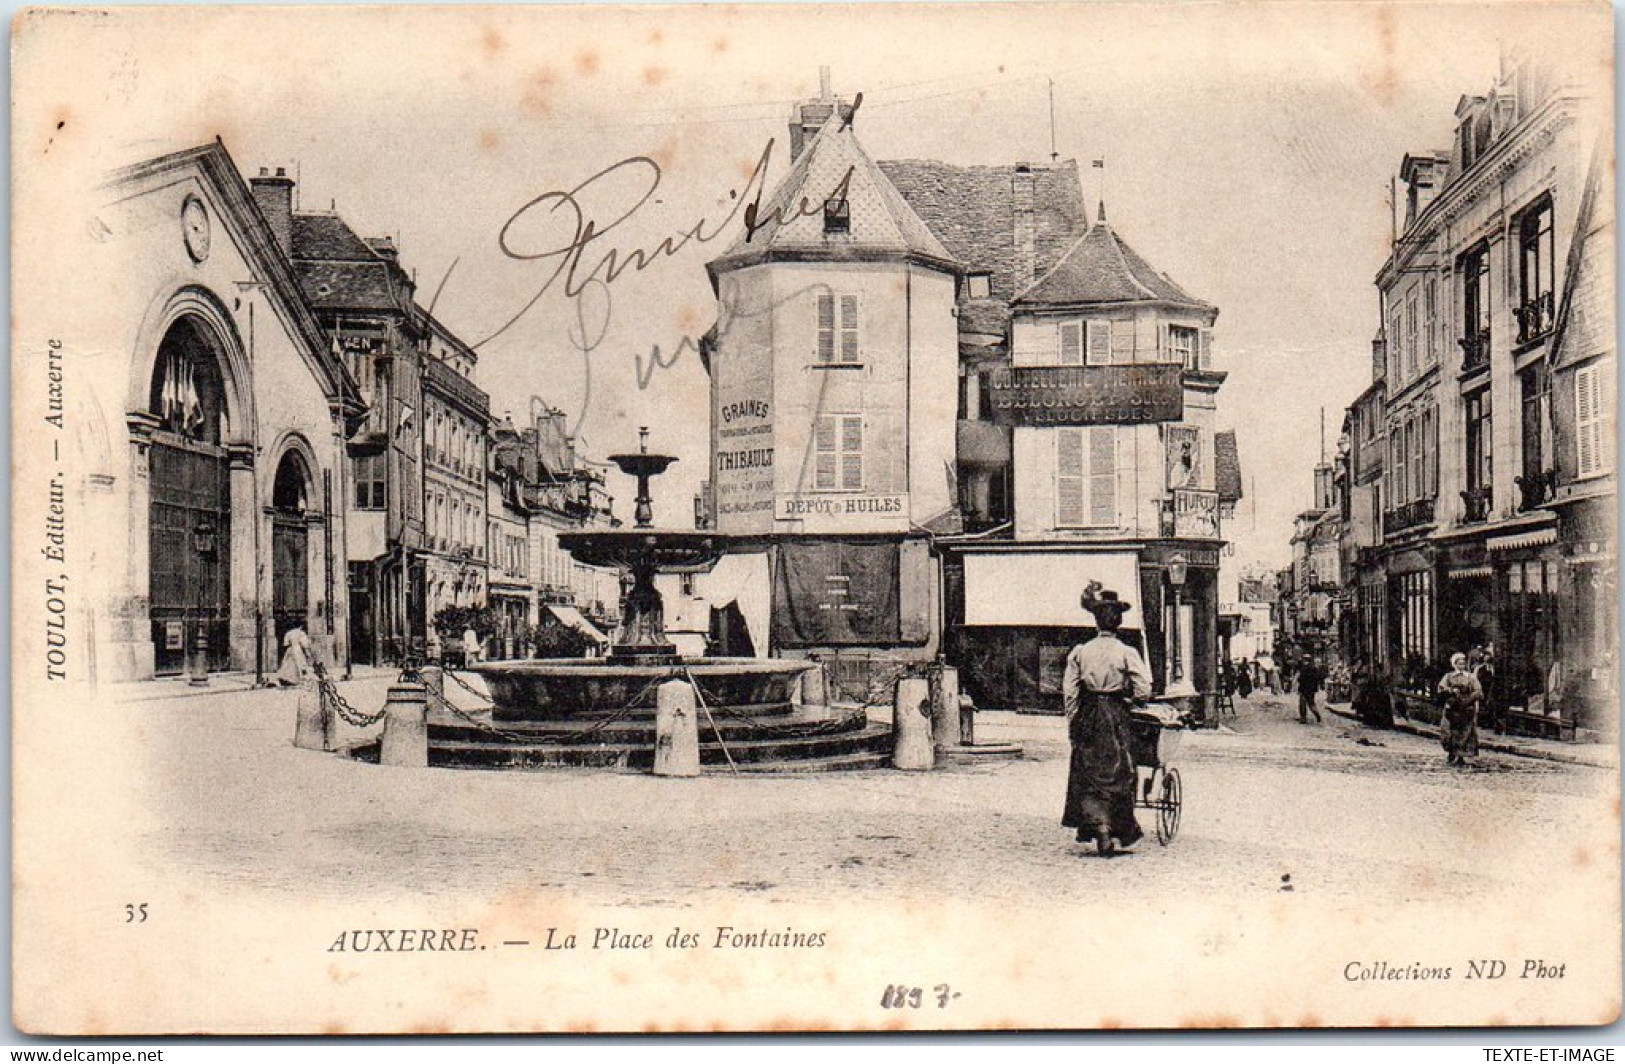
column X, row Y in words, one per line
column 1535, row 318
column 1475, row 350
column 1476, row 505
column 1414, row 513
column 1536, row 489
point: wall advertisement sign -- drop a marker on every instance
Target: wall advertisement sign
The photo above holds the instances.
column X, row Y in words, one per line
column 826, row 512
column 1087, row 395
column 1196, row 514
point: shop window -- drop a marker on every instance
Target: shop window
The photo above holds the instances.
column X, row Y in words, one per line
column 369, row 482
column 837, row 328
column 838, row 453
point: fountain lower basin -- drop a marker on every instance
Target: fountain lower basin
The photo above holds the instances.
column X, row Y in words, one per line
column 560, row 689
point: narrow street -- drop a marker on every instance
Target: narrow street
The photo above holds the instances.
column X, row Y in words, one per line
column 1271, row 806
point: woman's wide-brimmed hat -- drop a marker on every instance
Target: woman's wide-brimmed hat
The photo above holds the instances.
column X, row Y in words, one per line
column 1095, row 600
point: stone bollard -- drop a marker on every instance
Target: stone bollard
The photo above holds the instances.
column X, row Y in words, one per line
column 313, row 727
column 677, row 731
column 815, row 691
column 911, row 726
column 406, row 726
column 967, row 721
column 434, row 678
column 945, row 713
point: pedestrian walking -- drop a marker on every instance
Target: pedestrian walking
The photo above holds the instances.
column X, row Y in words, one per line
column 1310, row 677
column 1266, row 666
column 1103, row 677
column 1244, row 679
column 1483, row 671
column 471, row 647
column 1460, row 696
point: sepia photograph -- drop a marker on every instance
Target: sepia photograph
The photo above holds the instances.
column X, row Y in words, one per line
column 779, row 518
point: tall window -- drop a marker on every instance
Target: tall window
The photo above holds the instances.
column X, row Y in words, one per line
column 1480, row 453
column 1536, row 425
column 1418, row 433
column 1536, row 308
column 1430, row 451
column 1430, row 319
column 1100, row 343
column 1183, row 346
column 1475, row 306
column 1413, row 346
column 369, row 482
column 1396, row 347
column 838, row 457
column 837, row 328
column 1086, row 477
column 1592, row 434
column 1072, row 343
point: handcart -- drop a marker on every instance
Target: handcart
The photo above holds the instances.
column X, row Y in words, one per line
column 1156, row 731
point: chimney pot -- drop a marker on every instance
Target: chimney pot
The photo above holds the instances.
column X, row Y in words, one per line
column 265, row 171
column 282, row 171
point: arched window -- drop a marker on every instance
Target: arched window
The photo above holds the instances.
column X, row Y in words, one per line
column 188, row 395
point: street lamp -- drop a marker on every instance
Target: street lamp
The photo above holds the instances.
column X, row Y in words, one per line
column 1178, row 569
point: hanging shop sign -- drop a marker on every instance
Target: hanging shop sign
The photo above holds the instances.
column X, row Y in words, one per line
column 1087, row 395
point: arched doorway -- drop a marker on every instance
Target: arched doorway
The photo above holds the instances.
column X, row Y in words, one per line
column 189, row 527
column 290, row 545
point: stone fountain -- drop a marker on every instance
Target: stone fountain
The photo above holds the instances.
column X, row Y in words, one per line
column 600, row 711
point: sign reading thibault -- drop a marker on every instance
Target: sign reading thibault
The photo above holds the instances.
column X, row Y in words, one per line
column 1087, row 395
column 851, row 513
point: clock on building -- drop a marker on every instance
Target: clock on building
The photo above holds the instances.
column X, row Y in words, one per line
column 195, row 228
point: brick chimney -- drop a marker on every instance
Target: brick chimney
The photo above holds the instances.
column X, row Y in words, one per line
column 810, row 115
column 1021, row 205
column 274, row 194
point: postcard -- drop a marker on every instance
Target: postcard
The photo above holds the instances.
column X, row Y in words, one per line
column 814, row 518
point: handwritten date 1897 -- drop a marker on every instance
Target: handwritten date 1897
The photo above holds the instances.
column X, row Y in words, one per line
column 898, row 996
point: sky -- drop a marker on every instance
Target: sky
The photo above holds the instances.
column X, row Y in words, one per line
column 1248, row 154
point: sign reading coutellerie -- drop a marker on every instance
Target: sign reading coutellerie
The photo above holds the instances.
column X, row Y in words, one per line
column 1087, row 395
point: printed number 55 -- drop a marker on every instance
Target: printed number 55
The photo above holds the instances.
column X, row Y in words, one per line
column 135, row 914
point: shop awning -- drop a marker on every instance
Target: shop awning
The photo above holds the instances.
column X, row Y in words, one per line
column 1540, row 537
column 1042, row 589
column 1470, row 573
column 570, row 616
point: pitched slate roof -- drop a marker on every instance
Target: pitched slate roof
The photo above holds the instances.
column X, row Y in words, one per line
column 882, row 223
column 338, row 270
column 1226, row 466
column 1100, row 267
column 972, row 210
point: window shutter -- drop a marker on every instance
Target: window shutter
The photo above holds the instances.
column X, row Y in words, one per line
column 852, row 453
column 1100, row 343
column 1071, row 343
column 1588, row 420
column 826, row 328
column 1103, row 476
column 824, row 447
column 1204, row 351
column 1069, row 478
column 849, row 328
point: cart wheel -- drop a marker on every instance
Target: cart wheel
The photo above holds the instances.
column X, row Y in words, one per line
column 1168, row 807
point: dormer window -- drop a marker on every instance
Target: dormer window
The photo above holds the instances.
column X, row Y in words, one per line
column 978, row 286
column 838, row 215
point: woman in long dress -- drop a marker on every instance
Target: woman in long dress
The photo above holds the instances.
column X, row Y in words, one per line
column 1461, row 696
column 296, row 660
column 1103, row 678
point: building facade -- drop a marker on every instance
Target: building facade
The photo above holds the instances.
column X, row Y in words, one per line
column 217, row 431
column 833, row 366
column 457, row 554
column 1498, row 379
